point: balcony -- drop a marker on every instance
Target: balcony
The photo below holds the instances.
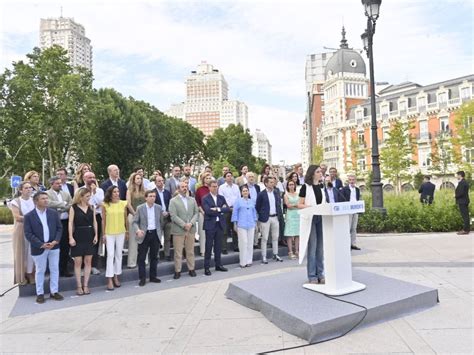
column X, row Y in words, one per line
column 403, row 113
column 443, row 104
column 423, row 136
column 412, row 109
column 422, row 108
column 384, row 116
column 444, row 133
column 454, row 102
column 432, row 106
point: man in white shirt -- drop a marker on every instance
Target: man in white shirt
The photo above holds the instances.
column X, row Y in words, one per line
column 352, row 193
column 61, row 202
column 231, row 193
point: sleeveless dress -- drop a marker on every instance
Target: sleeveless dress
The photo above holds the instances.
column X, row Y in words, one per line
column 83, row 232
column 292, row 223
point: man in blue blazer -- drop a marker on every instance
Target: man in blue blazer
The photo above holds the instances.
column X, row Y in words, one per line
column 114, row 179
column 163, row 198
column 333, row 194
column 214, row 206
column 269, row 211
column 43, row 230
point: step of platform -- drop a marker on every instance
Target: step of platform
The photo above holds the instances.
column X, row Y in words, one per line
column 164, row 268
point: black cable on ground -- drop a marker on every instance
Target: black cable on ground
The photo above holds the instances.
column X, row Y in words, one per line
column 325, row 340
column 11, row 288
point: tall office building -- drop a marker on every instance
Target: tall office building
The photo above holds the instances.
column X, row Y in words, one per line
column 261, row 147
column 71, row 36
column 207, row 106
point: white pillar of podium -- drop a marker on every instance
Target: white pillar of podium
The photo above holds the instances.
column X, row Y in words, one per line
column 337, row 246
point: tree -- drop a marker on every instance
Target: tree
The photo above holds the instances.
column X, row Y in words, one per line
column 44, row 105
column 317, row 155
column 464, row 137
column 396, row 155
column 218, row 164
column 418, row 179
column 441, row 155
column 234, row 144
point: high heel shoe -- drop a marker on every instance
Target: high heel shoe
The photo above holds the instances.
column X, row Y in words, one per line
column 116, row 282
column 79, row 291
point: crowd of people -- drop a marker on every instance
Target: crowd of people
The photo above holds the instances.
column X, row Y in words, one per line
column 73, row 219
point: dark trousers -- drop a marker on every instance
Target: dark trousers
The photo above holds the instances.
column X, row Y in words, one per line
column 229, row 232
column 151, row 243
column 213, row 239
column 64, row 248
column 95, row 256
column 464, row 209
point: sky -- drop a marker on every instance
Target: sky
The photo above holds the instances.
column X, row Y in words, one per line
column 145, row 49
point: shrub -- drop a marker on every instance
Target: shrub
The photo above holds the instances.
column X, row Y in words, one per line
column 6, row 216
column 406, row 214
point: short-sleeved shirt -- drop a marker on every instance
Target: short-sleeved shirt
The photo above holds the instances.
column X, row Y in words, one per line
column 317, row 193
column 115, row 217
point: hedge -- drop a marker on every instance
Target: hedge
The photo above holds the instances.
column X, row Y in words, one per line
column 6, row 216
column 405, row 214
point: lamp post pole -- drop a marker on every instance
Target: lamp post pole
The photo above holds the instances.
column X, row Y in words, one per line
column 367, row 37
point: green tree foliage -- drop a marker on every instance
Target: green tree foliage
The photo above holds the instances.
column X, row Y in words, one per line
column 233, row 144
column 418, row 179
column 441, row 155
column 218, row 164
column 317, row 156
column 44, row 106
column 464, row 138
column 396, row 155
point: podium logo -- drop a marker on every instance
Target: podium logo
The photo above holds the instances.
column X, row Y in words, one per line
column 336, row 208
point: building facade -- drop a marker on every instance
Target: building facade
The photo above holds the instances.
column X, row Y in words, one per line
column 207, row 106
column 70, row 35
column 261, row 147
column 339, row 115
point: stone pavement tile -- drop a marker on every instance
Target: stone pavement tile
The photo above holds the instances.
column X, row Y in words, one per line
column 414, row 341
column 449, row 341
column 31, row 342
column 458, row 277
column 117, row 346
column 51, row 322
column 371, row 339
column 228, row 349
column 449, row 313
column 236, row 332
column 224, row 308
column 180, row 340
column 113, row 326
column 198, row 310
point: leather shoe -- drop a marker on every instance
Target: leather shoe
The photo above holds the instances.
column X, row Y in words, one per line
column 236, row 250
column 142, row 282
column 221, row 268
column 207, row 272
column 155, row 280
column 192, row 273
column 40, row 299
column 177, row 275
column 462, row 233
column 354, row 247
column 56, row 296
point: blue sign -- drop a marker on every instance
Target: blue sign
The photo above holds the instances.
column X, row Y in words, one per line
column 15, row 181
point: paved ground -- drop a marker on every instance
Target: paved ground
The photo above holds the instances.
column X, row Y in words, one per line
column 180, row 317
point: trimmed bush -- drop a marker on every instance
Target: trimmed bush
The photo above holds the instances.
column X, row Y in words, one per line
column 6, row 216
column 405, row 214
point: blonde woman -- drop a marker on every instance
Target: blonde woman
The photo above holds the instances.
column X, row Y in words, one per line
column 115, row 227
column 33, row 177
column 135, row 197
column 82, row 228
column 79, row 176
column 22, row 259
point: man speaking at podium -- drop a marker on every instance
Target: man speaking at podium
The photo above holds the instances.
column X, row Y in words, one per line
column 312, row 194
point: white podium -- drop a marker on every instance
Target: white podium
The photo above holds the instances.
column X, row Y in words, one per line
column 337, row 246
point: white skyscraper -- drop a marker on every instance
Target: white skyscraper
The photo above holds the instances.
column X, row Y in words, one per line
column 261, row 147
column 207, row 106
column 71, row 36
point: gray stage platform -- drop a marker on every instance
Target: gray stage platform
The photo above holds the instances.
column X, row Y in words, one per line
column 315, row 317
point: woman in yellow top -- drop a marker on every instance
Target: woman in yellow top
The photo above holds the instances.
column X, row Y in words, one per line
column 115, row 227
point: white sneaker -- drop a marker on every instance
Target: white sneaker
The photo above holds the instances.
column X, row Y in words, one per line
column 264, row 261
column 95, row 271
column 277, row 258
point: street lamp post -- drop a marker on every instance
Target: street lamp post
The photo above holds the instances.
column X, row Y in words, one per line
column 372, row 8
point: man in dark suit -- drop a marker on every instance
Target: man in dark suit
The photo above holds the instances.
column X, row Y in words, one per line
column 336, row 182
column 43, row 230
column 114, row 179
column 352, row 193
column 269, row 210
column 163, row 198
column 462, row 200
column 147, row 222
column 427, row 190
column 214, row 206
column 332, row 194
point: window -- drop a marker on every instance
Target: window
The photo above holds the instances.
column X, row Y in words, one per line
column 424, row 157
column 423, row 129
column 360, row 138
column 385, row 135
column 444, row 124
column 443, row 97
column 421, row 102
column 465, row 93
column 469, row 155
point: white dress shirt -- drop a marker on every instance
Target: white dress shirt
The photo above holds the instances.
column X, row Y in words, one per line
column 271, row 201
column 185, row 201
column 353, row 194
column 215, row 202
column 97, row 199
column 44, row 223
column 230, row 192
column 162, row 199
column 150, row 211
